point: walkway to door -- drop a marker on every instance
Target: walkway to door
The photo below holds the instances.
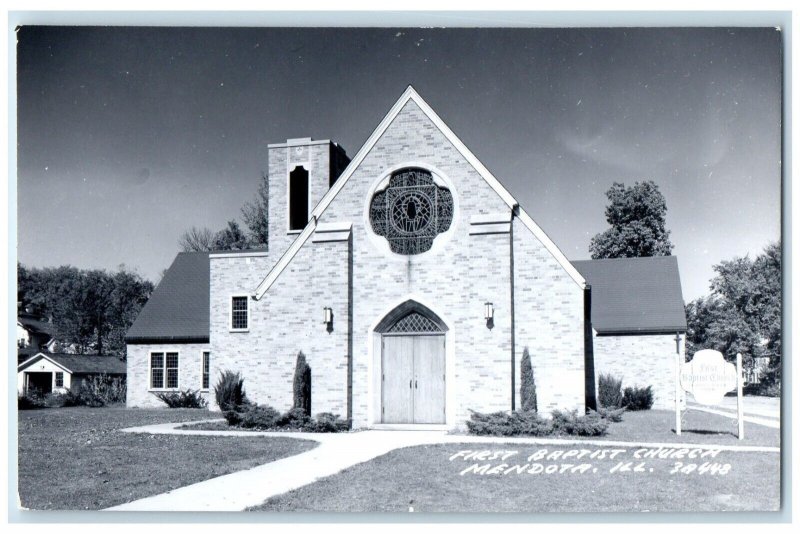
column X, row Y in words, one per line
column 336, row 452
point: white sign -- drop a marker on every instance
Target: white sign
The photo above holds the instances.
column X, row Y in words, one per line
column 708, row 377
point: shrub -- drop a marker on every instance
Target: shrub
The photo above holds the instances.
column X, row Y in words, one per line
column 527, row 383
column 569, row 422
column 520, row 423
column 328, row 422
column 611, row 414
column 30, row 400
column 267, row 418
column 636, row 398
column 100, row 390
column 260, row 417
column 229, row 391
column 188, row 398
column 302, row 384
column 609, row 391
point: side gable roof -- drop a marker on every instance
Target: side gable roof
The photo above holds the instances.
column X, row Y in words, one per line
column 35, row 326
column 411, row 94
column 80, row 363
column 178, row 309
column 635, row 295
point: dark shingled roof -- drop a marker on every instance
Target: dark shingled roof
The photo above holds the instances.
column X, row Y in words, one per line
column 89, row 363
column 36, row 326
column 635, row 295
column 177, row 311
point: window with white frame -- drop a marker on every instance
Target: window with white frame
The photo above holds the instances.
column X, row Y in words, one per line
column 206, row 369
column 239, row 318
column 163, row 370
column 59, row 380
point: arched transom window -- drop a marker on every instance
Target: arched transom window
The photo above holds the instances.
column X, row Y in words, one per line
column 411, row 211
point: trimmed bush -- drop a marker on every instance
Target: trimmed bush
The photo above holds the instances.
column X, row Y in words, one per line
column 527, row 383
column 302, row 385
column 229, row 391
column 636, row 398
column 267, row 418
column 328, row 422
column 188, row 398
column 260, row 417
column 609, row 393
column 611, row 414
column 101, row 390
column 520, row 423
column 569, row 422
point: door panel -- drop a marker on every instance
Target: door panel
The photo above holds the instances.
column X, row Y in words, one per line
column 397, row 366
column 429, row 383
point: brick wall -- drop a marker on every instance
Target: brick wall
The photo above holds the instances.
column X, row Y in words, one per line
column 361, row 282
column 190, row 361
column 641, row 360
column 549, row 322
column 287, row 320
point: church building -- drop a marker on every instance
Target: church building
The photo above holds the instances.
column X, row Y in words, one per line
column 412, row 281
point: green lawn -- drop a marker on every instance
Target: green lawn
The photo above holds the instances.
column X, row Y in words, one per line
column 76, row 459
column 424, row 478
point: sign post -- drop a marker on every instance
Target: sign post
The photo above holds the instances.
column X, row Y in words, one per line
column 678, row 394
column 739, row 400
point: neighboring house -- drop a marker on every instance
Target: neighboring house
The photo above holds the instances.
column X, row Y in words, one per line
column 34, row 335
column 412, row 281
column 60, row 372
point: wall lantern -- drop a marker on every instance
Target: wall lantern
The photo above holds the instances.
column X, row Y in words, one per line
column 488, row 312
column 327, row 318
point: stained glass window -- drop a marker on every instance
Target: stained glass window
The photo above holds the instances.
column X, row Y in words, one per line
column 206, row 369
column 411, row 211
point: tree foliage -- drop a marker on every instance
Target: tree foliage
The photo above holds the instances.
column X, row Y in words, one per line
column 256, row 215
column 233, row 237
column 637, row 216
column 743, row 312
column 527, row 383
column 91, row 310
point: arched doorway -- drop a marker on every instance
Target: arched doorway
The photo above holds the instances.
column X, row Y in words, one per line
column 413, row 388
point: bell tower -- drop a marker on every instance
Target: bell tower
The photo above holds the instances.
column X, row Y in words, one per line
column 300, row 173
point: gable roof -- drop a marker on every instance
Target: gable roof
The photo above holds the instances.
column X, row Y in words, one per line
column 178, row 309
column 81, row 363
column 35, row 325
column 411, row 95
column 635, row 295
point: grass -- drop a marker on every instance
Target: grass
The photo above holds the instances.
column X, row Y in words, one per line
column 423, row 478
column 75, row 458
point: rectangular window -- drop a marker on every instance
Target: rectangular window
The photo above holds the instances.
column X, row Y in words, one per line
column 172, row 370
column 156, row 370
column 206, row 368
column 239, row 313
column 163, row 370
column 59, row 380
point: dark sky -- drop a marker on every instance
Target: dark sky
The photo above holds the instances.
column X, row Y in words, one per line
column 128, row 136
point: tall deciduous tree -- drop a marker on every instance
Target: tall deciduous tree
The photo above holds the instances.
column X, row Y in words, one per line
column 90, row 309
column 256, row 215
column 197, row 240
column 230, row 238
column 637, row 216
column 743, row 312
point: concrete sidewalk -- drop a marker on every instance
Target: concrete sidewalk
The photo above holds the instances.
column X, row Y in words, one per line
column 336, row 452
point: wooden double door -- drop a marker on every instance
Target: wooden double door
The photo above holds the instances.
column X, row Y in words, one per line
column 413, row 379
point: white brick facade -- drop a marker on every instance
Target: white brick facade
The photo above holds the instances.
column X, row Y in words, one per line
column 190, row 372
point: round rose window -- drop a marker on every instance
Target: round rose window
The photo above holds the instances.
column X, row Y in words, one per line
column 411, row 211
